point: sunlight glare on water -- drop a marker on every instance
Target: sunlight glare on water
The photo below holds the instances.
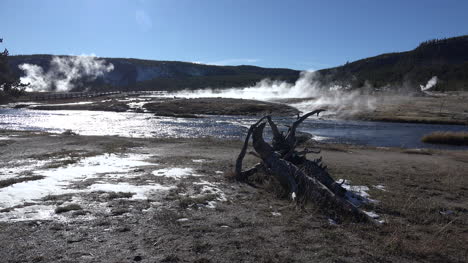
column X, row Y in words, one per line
column 126, row 124
column 147, row 125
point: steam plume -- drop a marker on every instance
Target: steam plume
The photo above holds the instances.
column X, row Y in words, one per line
column 64, row 72
column 308, row 89
column 431, row 83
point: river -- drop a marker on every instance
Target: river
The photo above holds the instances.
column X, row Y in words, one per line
column 129, row 124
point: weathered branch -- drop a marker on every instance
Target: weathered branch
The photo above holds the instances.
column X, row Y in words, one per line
column 291, row 136
column 239, row 174
column 298, row 183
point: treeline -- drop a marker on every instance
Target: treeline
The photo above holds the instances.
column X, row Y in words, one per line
column 10, row 86
column 138, row 74
column 442, row 41
column 445, row 58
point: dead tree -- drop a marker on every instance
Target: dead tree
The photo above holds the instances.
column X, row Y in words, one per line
column 304, row 180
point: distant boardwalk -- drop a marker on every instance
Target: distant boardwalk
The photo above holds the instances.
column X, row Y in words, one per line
column 37, row 96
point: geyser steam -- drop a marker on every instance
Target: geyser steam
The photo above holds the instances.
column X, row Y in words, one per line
column 337, row 99
column 431, row 83
column 64, row 72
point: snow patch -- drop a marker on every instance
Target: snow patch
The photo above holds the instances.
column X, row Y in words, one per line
column 175, row 173
column 356, row 194
column 57, row 181
column 33, row 212
column 210, row 188
column 380, row 187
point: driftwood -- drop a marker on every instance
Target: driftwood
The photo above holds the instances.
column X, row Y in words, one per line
column 304, row 179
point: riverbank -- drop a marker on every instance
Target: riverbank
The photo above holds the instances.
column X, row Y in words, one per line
column 442, row 108
column 171, row 200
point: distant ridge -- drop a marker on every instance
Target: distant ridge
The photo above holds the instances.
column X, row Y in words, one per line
column 445, row 58
column 139, row 74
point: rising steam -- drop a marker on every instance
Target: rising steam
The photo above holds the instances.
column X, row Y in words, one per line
column 64, row 72
column 431, row 83
column 306, row 94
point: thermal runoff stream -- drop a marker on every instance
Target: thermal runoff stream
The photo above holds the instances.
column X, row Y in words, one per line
column 145, row 125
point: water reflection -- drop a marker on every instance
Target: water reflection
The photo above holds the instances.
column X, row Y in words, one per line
column 130, row 124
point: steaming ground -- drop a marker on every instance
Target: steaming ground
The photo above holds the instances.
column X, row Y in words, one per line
column 306, row 94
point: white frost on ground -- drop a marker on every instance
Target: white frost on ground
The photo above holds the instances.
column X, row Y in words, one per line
column 175, row 173
column 276, row 213
column 2, row 138
column 199, row 160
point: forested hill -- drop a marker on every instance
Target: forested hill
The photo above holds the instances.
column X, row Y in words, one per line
column 445, row 58
column 137, row 74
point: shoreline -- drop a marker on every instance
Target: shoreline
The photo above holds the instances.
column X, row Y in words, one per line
column 446, row 110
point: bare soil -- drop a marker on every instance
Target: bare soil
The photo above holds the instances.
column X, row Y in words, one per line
column 421, row 194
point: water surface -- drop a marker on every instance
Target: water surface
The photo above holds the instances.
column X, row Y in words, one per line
column 146, row 125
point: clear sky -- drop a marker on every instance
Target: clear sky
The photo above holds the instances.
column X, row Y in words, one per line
column 270, row 33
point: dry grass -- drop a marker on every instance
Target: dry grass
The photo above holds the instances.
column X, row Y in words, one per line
column 452, row 138
column 190, row 201
column 70, row 207
column 422, row 120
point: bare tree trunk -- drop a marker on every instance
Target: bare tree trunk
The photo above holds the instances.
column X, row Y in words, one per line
column 305, row 180
column 240, row 175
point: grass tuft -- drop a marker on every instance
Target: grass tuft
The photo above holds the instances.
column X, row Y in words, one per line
column 69, row 133
column 451, row 138
column 70, row 207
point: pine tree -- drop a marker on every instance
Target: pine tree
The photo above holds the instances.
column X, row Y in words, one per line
column 10, row 85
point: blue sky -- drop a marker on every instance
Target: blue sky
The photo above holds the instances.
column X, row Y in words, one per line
column 289, row 33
